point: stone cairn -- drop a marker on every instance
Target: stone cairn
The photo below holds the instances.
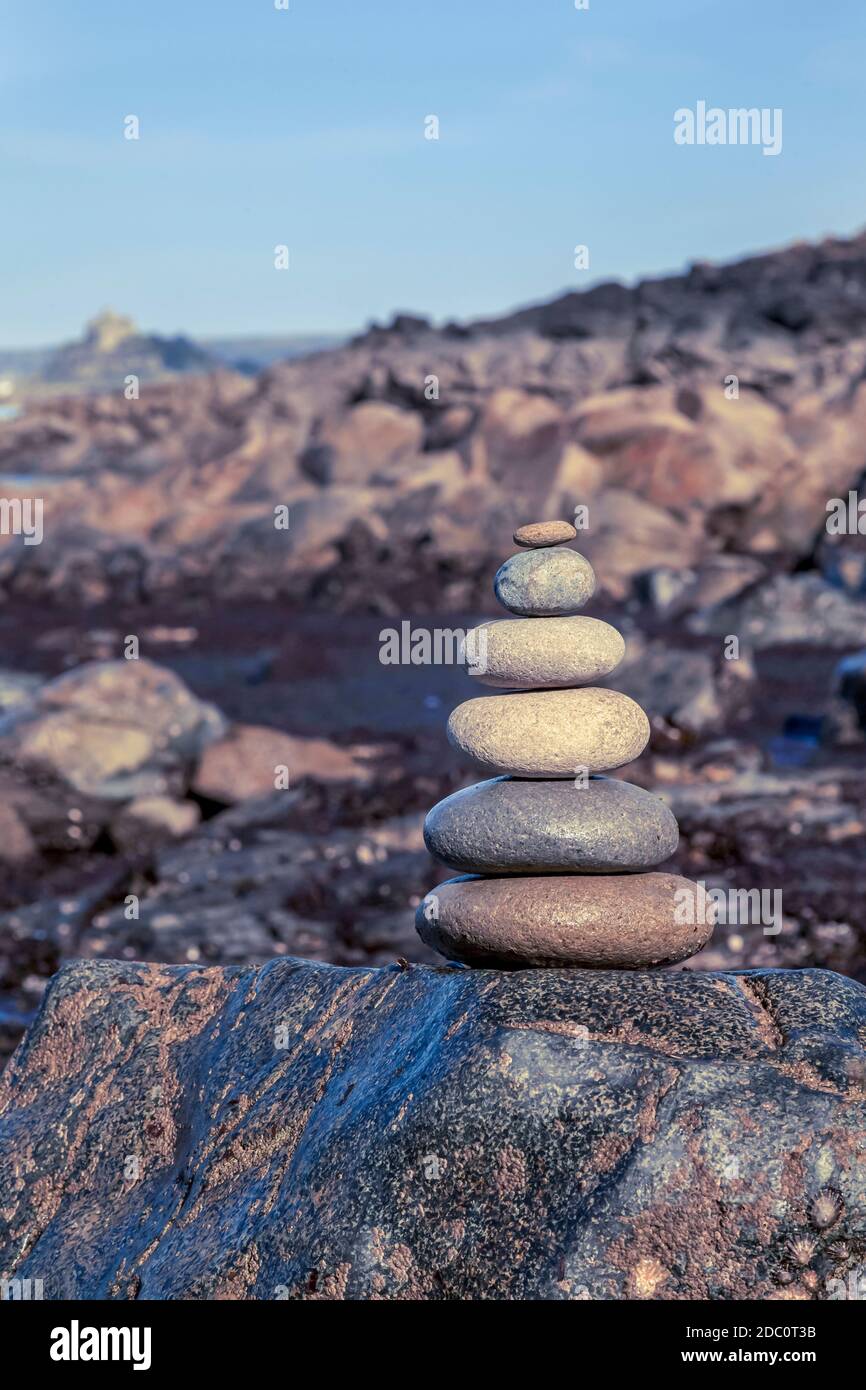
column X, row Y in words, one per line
column 556, row 860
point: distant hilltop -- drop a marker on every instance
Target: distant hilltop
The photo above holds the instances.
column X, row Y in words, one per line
column 108, row 330
column 113, row 348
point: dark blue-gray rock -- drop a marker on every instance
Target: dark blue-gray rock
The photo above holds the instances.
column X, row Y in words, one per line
column 845, row 719
column 544, row 583
column 301, row 1131
column 508, row 826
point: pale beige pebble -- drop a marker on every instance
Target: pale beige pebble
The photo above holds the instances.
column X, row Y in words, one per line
column 550, row 733
column 540, row 533
column 176, row 817
column 544, row 653
column 606, row 921
column 86, row 753
column 151, row 821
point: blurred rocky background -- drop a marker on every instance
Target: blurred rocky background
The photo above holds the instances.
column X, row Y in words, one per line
column 704, row 421
column 112, row 349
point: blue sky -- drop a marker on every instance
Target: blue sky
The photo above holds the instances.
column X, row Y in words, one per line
column 306, row 128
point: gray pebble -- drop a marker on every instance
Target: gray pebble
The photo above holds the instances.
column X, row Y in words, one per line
column 544, row 583
column 507, row 826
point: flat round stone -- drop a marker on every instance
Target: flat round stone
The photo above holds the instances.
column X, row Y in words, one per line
column 544, row 583
column 540, row 533
column 550, row 733
column 543, row 653
column 606, row 921
column 506, row 826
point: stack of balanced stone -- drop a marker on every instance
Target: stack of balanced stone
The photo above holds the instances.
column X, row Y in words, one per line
column 554, row 857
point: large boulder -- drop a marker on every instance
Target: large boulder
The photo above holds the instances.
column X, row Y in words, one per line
column 112, row 730
column 301, row 1131
column 104, row 736
column 371, row 440
column 627, row 535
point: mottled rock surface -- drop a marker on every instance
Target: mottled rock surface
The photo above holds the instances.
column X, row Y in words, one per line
column 508, row 826
column 303, row 1131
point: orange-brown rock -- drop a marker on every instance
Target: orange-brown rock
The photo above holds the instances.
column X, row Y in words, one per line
column 543, row 533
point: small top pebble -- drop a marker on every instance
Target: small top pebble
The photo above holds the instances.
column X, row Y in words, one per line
column 540, row 533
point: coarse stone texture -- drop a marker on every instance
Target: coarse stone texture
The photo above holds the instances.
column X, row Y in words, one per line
column 543, row 653
column 544, row 583
column 612, row 921
column 550, row 733
column 541, row 533
column 507, row 826
column 311, row 1132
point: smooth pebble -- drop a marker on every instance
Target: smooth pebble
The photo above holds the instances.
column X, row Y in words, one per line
column 544, row 583
column 508, row 826
column 544, row 653
column 606, row 921
column 550, row 733
column 540, row 533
